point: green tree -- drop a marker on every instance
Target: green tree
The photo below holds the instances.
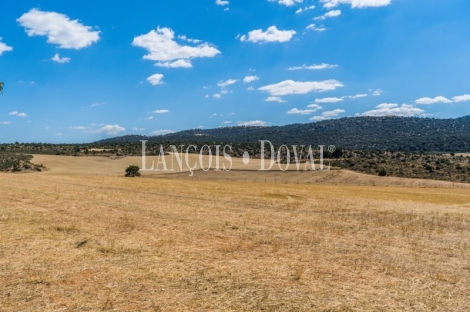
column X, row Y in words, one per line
column 1, row 87
column 133, row 171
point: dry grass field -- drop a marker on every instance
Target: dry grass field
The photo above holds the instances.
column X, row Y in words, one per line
column 71, row 240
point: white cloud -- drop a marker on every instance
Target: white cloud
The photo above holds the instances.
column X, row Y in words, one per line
column 60, row 60
column 155, row 79
column 4, row 47
column 109, row 130
column 250, row 88
column 275, row 99
column 287, row 2
column 217, row 96
column 175, row 64
column 272, row 34
column 252, row 123
column 149, row 118
column 138, row 129
column 377, row 92
column 78, row 128
column 162, row 47
column 227, row 83
column 461, row 98
column 437, row 99
column 206, row 96
column 13, row 113
column 328, row 114
column 225, row 91
column 227, row 122
column 333, row 13
column 249, row 79
column 161, row 132
column 300, row 112
column 356, row 3
column 97, row 104
column 297, row 87
column 392, row 109
column 221, row 2
column 314, row 67
column 357, row 96
column 305, row 9
column 59, row 29
column 160, row 111
column 329, row 100
column 315, row 28
column 315, row 106
column 5, row 123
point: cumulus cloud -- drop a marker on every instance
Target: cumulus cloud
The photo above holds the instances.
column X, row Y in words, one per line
column 109, row 130
column 298, row 87
column 328, row 114
column 217, row 96
column 315, row 28
column 252, row 123
column 4, row 47
column 5, row 123
column 227, row 122
column 392, row 109
column 161, row 132
column 300, row 111
column 59, row 29
column 160, row 111
column 175, row 64
column 155, row 79
column 333, row 13
column 272, row 34
column 461, row 98
column 356, row 3
column 224, row 84
column 97, row 104
column 221, row 2
column 329, row 100
column 15, row 113
column 314, row 67
column 315, row 106
column 249, row 79
column 275, row 99
column 60, row 60
column 138, row 129
column 162, row 47
column 149, row 118
column 437, row 99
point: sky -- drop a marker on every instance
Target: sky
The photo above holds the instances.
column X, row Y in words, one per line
column 81, row 71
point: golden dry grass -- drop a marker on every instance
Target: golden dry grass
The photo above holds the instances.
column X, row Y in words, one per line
column 92, row 243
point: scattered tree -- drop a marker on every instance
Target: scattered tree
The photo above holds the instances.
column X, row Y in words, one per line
column 1, row 87
column 133, row 171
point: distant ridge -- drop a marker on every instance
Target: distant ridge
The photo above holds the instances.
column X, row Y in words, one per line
column 362, row 133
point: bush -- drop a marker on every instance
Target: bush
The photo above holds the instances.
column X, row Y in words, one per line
column 382, row 173
column 133, row 171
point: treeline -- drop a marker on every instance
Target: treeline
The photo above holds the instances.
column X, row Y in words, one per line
column 358, row 133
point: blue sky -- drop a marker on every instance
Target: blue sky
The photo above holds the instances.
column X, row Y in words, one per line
column 87, row 70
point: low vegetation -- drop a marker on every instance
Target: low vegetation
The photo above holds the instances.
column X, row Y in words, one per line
column 18, row 163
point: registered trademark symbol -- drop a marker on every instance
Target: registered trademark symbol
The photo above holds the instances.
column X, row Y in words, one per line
column 331, row 148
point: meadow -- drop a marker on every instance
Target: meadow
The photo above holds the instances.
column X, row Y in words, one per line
column 78, row 237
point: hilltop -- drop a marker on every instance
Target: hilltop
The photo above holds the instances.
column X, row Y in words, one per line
column 359, row 133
